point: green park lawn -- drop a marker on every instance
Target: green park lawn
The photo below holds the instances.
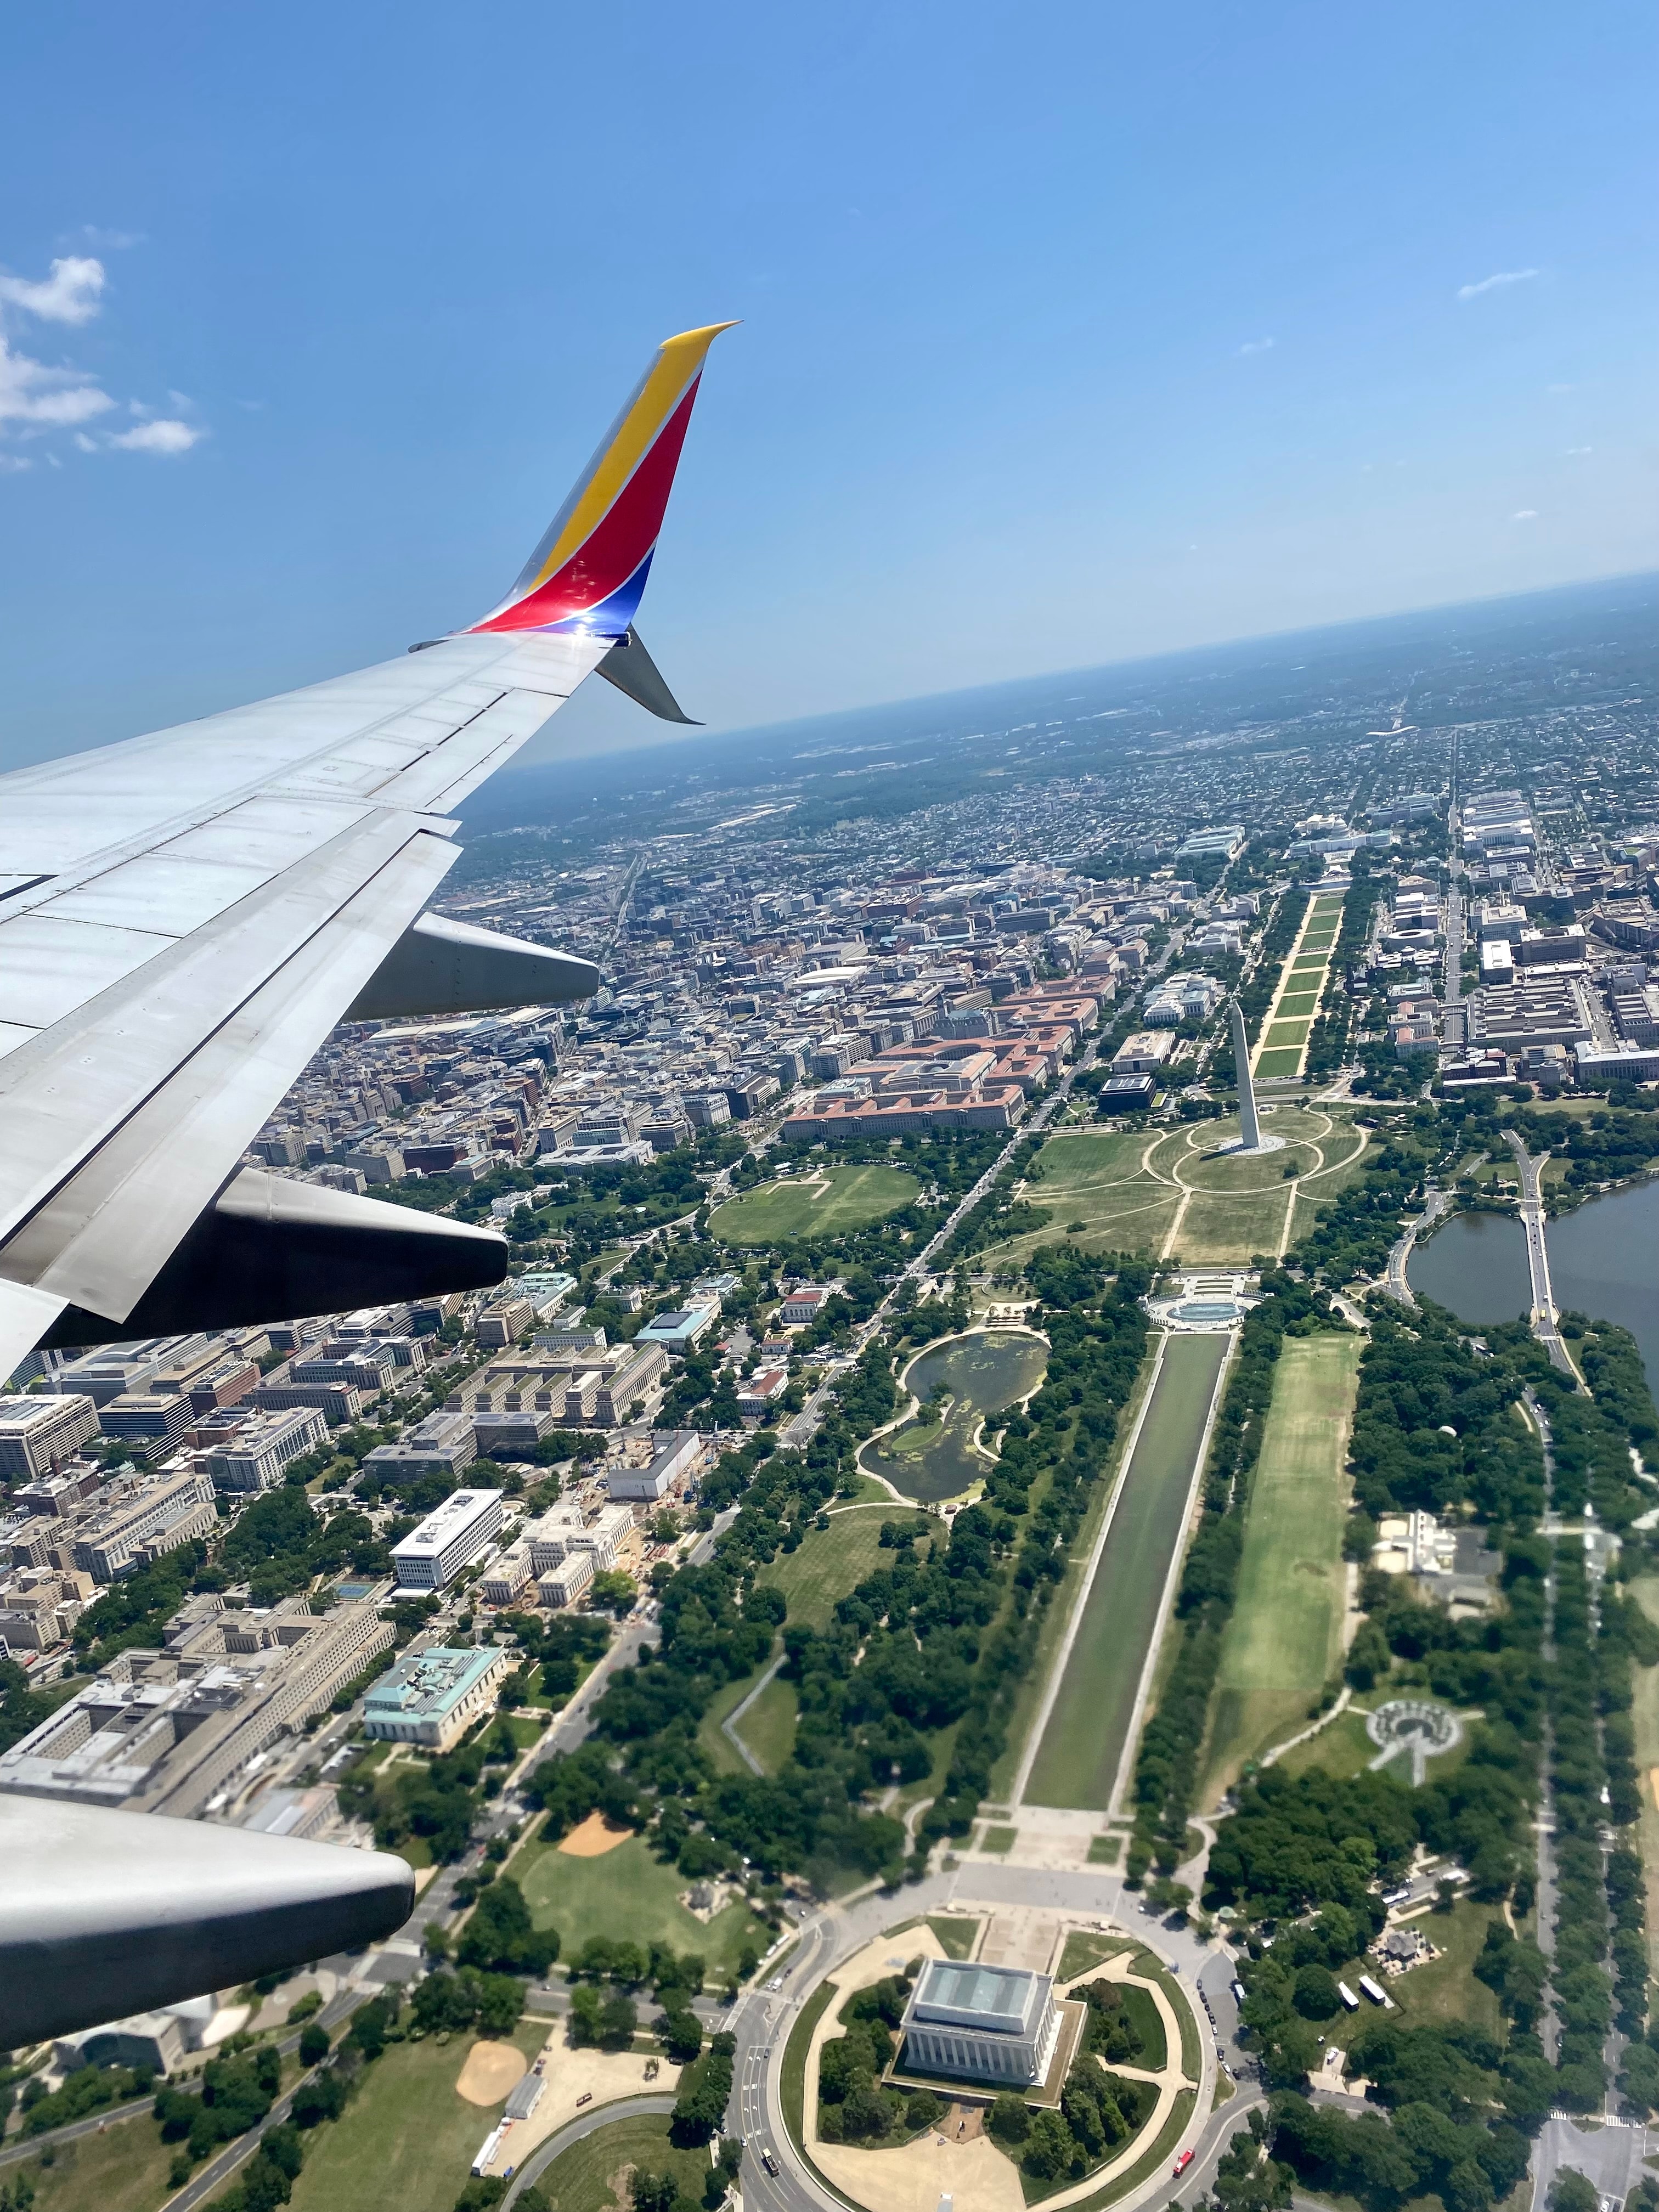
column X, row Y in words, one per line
column 629, row 1893
column 1285, row 1632
column 956, row 1936
column 1286, row 1033
column 592, row 2175
column 1442, row 1991
column 1141, row 2010
column 1095, row 1176
column 829, row 1562
column 1296, row 1003
column 1084, row 1950
column 827, row 1565
column 124, row 2170
column 1280, row 1061
column 768, row 1726
column 1341, row 1749
column 712, row 1738
column 1216, row 1229
column 847, row 1197
column 407, row 2139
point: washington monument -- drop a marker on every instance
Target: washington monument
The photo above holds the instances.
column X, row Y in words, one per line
column 1250, row 1137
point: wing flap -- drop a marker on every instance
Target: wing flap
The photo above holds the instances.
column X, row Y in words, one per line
column 64, row 1093
column 105, row 1234
column 49, row 966
column 165, row 892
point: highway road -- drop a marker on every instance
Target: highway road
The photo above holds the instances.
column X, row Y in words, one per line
column 1436, row 1203
column 572, row 2131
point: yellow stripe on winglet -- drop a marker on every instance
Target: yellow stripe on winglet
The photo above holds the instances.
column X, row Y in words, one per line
column 679, row 358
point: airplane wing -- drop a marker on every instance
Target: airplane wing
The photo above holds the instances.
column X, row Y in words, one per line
column 183, row 920
column 185, row 917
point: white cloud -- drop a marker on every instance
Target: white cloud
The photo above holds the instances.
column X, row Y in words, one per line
column 42, row 397
column 70, row 294
column 111, row 241
column 1571, row 450
column 36, row 398
column 13, row 462
column 1496, row 283
column 164, row 436
column 1256, row 345
column 1525, row 515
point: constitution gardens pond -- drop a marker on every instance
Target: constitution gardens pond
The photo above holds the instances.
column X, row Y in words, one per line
column 1602, row 1263
column 931, row 1456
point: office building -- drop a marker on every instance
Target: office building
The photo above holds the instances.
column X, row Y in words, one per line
column 151, row 1422
column 562, row 1585
column 257, row 1450
column 507, row 1577
column 682, row 1329
column 674, row 1454
column 460, row 1531
column 38, row 1434
column 165, row 1731
column 337, row 1402
column 144, row 1519
column 443, row 1443
column 433, row 1696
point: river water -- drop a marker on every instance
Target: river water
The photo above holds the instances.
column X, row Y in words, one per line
column 982, row 1373
column 1604, row 1262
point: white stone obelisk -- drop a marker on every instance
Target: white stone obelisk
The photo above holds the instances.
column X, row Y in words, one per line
column 1250, row 1138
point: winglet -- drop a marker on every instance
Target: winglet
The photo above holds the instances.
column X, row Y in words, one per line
column 588, row 572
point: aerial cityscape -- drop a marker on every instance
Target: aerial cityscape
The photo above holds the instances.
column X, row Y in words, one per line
column 877, row 1637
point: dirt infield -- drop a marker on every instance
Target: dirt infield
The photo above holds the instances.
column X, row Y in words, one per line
column 491, row 2070
column 593, row 1838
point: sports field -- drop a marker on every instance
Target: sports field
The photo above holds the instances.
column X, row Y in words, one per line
column 1174, row 1193
column 818, row 1204
column 629, row 1893
column 1082, row 1748
column 1285, row 1634
column 408, row 2139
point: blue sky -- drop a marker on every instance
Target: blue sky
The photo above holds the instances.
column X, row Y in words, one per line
column 1070, row 333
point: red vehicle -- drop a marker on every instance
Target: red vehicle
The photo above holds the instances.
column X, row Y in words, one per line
column 1181, row 2164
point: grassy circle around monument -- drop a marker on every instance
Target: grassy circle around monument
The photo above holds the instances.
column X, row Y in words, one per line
column 823, row 1204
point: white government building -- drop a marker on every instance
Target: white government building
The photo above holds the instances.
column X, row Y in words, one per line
column 460, row 1530
column 995, row 2023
